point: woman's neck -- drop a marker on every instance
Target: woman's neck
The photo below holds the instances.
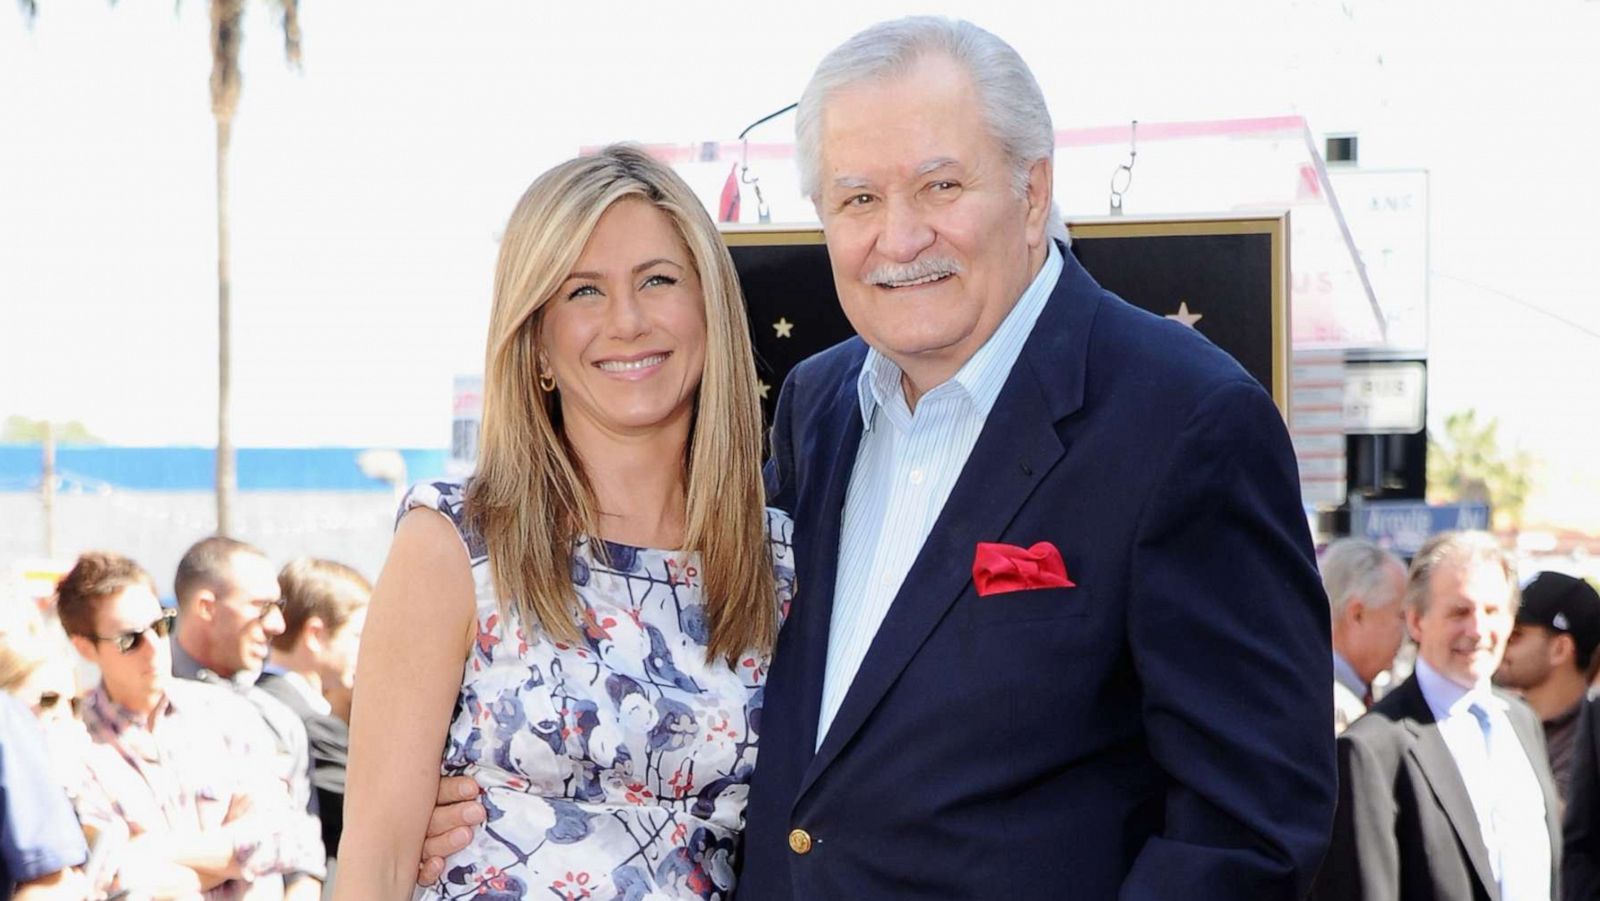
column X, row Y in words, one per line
column 638, row 484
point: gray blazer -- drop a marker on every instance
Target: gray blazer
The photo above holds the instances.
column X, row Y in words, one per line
column 1405, row 829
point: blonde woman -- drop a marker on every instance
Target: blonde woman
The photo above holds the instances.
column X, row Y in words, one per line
column 584, row 626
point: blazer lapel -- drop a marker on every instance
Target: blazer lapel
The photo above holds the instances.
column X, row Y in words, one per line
column 1018, row 446
column 1530, row 736
column 1444, row 779
column 837, row 438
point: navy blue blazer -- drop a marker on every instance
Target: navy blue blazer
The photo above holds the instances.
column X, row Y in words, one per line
column 1157, row 732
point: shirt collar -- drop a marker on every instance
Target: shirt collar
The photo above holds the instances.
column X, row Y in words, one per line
column 982, row 376
column 311, row 696
column 1565, row 717
column 105, row 714
column 185, row 666
column 1348, row 677
column 1447, row 697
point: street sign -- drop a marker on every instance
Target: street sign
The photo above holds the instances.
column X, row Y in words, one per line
column 1385, row 398
column 1403, row 526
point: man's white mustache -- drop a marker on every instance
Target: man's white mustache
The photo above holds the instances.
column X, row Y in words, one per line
column 926, row 267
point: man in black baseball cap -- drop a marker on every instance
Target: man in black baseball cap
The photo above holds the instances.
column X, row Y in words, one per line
column 1548, row 659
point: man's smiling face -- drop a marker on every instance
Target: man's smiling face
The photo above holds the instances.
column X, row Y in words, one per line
column 931, row 243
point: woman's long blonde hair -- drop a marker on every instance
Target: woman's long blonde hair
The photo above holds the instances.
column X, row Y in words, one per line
column 530, row 499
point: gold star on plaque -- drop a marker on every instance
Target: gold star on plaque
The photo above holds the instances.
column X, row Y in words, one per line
column 1184, row 316
column 783, row 327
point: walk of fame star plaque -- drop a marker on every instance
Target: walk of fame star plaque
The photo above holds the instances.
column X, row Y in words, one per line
column 1226, row 277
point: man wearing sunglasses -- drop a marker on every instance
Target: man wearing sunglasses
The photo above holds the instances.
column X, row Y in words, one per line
column 230, row 608
column 175, row 788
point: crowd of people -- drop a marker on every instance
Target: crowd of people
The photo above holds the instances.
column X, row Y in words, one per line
column 1022, row 604
column 1477, row 775
column 207, row 756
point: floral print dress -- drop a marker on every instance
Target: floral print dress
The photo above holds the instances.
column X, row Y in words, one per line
column 615, row 768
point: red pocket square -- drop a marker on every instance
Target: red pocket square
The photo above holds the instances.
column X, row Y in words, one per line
column 999, row 568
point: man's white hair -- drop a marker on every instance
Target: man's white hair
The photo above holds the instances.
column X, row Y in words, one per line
column 1356, row 568
column 1008, row 96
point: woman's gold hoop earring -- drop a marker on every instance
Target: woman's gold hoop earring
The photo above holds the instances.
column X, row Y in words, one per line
column 547, row 382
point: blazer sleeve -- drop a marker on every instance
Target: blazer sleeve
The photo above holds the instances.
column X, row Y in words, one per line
column 1229, row 632
column 1363, row 862
column 1580, row 865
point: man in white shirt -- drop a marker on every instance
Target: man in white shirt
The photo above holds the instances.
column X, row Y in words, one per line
column 229, row 609
column 1445, row 791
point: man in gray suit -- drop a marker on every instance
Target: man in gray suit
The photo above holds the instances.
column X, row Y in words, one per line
column 1445, row 792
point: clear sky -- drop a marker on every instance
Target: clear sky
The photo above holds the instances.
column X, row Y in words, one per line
column 368, row 188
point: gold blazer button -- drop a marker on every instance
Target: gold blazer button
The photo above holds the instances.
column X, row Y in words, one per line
column 800, row 841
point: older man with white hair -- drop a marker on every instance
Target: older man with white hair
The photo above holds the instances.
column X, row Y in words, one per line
column 1064, row 635
column 1365, row 586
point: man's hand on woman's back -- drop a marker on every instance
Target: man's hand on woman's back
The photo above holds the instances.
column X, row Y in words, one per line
column 455, row 812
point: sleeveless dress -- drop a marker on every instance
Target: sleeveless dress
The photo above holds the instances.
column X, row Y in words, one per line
column 617, row 767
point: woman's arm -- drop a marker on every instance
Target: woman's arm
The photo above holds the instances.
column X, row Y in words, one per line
column 418, row 632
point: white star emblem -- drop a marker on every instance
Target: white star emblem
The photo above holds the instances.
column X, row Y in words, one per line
column 783, row 327
column 1184, row 316
column 762, row 388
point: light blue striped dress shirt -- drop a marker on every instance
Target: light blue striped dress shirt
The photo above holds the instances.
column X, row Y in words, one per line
column 904, row 471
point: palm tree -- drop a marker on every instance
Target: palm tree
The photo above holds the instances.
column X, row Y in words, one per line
column 227, row 19
column 1466, row 463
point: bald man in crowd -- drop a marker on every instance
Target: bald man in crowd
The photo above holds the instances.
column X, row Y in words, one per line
column 230, row 607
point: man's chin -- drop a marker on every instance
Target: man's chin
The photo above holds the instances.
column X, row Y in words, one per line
column 1465, row 671
column 1483, row 671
